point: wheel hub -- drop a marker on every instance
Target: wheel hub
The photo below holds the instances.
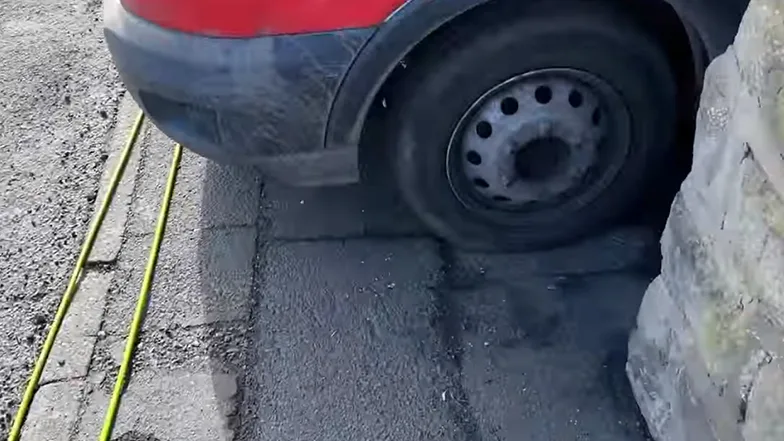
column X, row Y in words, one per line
column 532, row 139
column 540, row 159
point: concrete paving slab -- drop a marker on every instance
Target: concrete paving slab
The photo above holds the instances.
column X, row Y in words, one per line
column 306, row 213
column 73, row 348
column 166, row 405
column 310, row 213
column 207, row 195
column 343, row 343
column 54, row 412
column 110, row 236
column 386, row 212
column 203, row 276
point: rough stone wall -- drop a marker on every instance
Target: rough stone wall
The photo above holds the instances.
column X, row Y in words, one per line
column 706, row 361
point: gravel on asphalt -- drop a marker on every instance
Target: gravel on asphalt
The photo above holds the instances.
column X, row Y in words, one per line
column 58, row 97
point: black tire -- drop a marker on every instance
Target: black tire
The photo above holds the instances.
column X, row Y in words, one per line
column 441, row 85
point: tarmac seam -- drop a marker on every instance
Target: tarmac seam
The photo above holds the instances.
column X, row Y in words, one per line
column 447, row 323
column 63, row 380
column 238, row 423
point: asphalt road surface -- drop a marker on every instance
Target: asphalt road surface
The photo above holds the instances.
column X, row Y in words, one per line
column 365, row 328
column 330, row 314
column 295, row 314
column 58, row 97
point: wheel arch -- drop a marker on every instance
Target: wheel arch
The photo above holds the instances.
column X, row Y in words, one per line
column 709, row 25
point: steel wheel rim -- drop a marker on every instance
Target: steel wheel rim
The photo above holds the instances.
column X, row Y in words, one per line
column 543, row 139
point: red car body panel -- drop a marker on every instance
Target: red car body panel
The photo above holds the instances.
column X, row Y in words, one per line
column 249, row 18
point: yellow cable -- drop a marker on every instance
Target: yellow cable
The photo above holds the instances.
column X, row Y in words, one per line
column 73, row 283
column 141, row 303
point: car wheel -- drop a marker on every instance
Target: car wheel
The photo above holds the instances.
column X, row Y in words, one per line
column 532, row 132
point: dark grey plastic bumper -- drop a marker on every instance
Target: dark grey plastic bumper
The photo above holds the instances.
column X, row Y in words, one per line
column 263, row 101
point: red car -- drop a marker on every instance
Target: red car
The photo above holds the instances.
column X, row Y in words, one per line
column 509, row 123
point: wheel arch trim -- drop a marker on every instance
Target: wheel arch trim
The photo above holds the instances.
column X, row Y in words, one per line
column 403, row 30
column 415, row 20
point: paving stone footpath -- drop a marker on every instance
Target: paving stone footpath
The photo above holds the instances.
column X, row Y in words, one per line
column 190, row 360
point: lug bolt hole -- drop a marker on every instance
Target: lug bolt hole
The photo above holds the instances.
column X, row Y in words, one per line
column 543, row 94
column 596, row 117
column 575, row 99
column 481, row 183
column 473, row 157
column 509, row 106
column 484, row 129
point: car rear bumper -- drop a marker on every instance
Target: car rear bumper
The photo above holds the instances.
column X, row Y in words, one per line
column 262, row 101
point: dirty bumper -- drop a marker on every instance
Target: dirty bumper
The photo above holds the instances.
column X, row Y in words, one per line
column 263, row 100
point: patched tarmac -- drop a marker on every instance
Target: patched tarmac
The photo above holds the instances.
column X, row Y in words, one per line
column 369, row 329
column 284, row 313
